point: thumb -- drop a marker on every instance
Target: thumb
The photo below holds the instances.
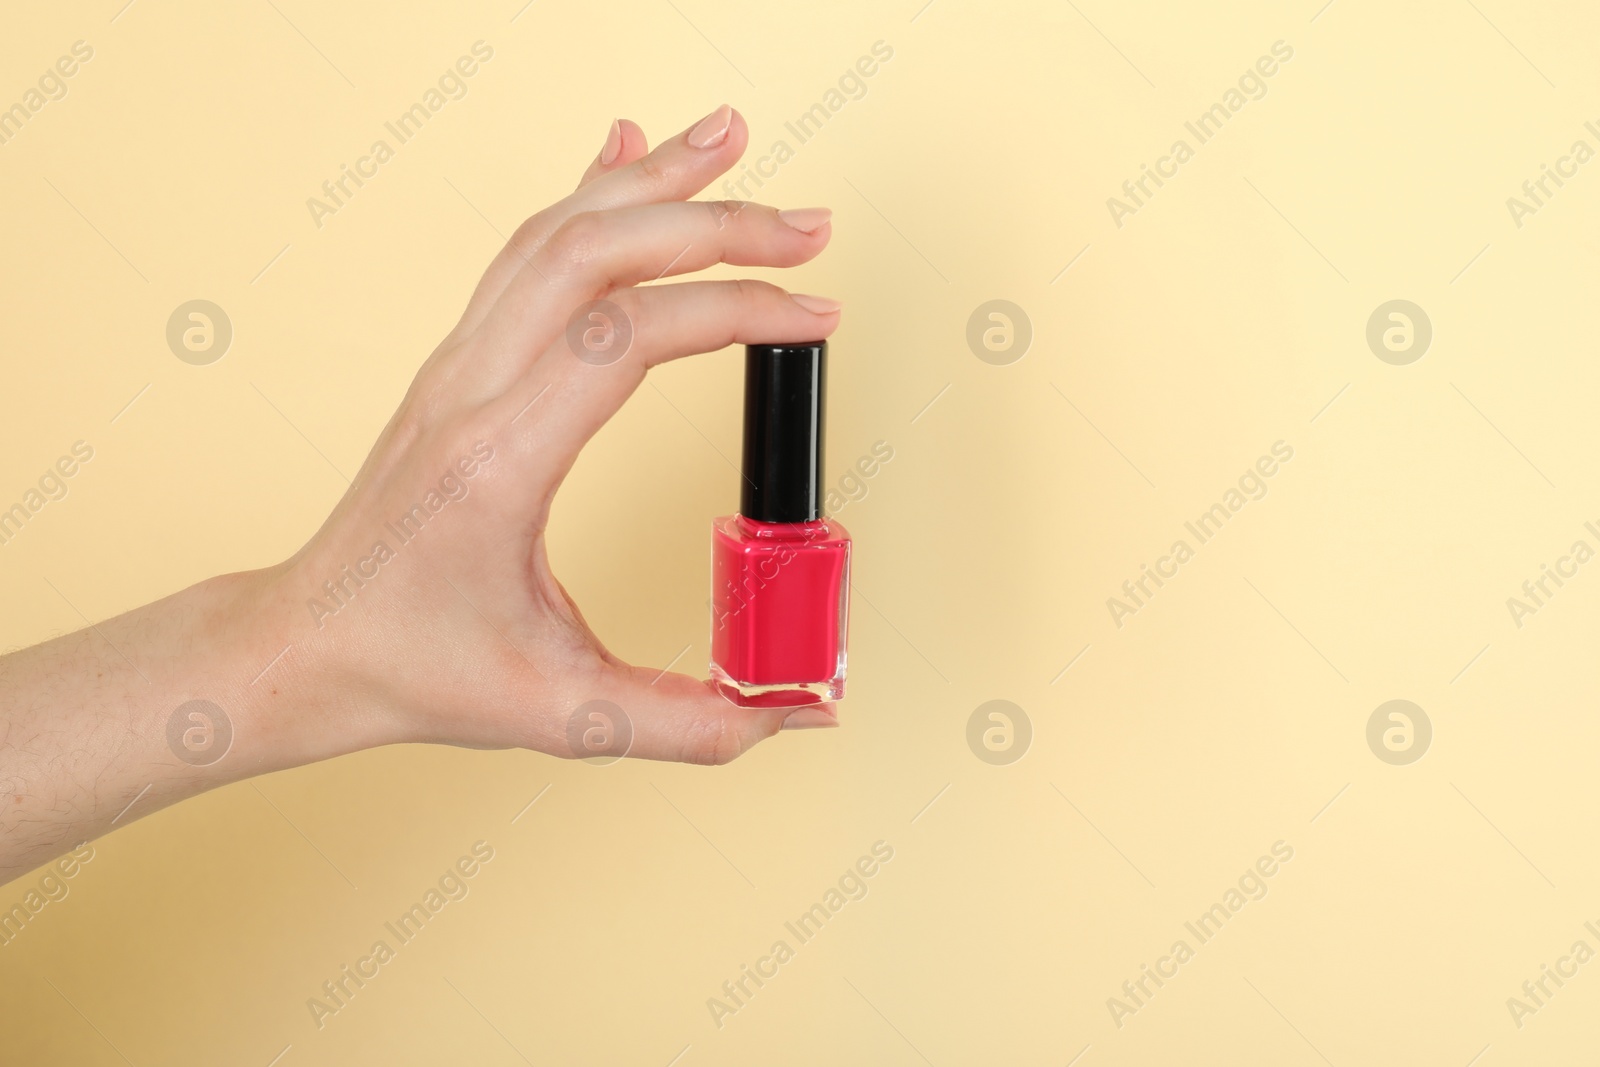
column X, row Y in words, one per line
column 649, row 714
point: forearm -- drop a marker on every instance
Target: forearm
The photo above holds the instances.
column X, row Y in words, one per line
column 94, row 731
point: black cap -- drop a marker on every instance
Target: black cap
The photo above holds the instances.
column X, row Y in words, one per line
column 784, row 391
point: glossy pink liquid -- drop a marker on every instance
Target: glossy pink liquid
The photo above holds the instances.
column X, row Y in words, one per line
column 779, row 610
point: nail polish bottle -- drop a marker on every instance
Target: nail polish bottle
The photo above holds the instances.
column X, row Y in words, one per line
column 780, row 569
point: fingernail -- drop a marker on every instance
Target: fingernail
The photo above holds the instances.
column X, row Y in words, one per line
column 713, row 129
column 810, row 719
column 806, row 219
column 817, row 305
column 613, row 144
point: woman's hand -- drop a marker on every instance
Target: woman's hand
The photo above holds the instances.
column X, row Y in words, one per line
column 464, row 635
column 424, row 609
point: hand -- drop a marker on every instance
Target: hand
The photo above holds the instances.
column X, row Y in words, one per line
column 464, row 635
column 424, row 608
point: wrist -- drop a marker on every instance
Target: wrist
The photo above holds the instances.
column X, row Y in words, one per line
column 293, row 694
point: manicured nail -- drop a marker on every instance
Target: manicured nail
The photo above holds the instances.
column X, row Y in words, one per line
column 817, row 305
column 613, row 144
column 810, row 719
column 806, row 219
column 713, row 129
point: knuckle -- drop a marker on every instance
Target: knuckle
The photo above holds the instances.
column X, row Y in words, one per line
column 650, row 170
column 577, row 242
column 410, row 422
column 425, row 408
column 725, row 211
column 752, row 291
column 527, row 237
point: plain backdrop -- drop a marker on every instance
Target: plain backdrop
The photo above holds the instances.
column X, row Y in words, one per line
column 1172, row 346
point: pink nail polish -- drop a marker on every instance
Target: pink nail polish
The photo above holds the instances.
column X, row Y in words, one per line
column 713, row 129
column 806, row 219
column 613, row 143
column 817, row 305
column 780, row 569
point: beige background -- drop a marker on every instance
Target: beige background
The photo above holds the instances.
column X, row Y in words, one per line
column 1230, row 713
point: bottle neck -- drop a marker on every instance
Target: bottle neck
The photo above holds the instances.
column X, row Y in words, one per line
column 816, row 530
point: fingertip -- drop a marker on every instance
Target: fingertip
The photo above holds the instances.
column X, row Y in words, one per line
column 613, row 144
column 806, row 219
column 738, row 131
column 814, row 717
column 817, row 305
column 723, row 133
column 625, row 143
column 634, row 141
